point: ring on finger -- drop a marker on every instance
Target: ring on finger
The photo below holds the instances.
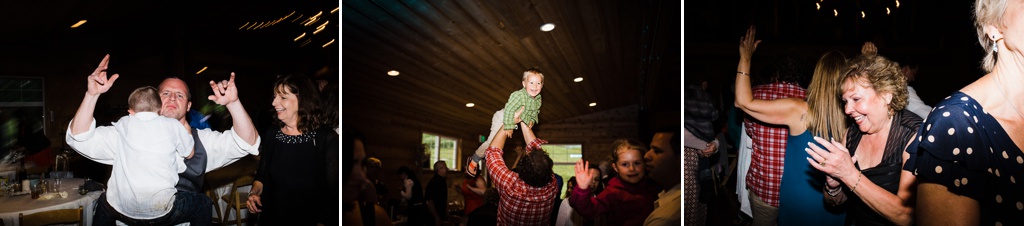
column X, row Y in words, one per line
column 823, row 162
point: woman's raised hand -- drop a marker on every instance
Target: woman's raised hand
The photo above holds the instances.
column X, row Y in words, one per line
column 836, row 162
column 748, row 44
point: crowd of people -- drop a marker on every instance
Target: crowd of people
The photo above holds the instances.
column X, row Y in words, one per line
column 857, row 146
column 637, row 185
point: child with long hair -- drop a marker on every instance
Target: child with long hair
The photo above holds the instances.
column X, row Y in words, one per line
column 630, row 193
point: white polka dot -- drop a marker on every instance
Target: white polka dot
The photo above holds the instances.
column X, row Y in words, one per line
column 975, row 119
column 970, row 130
column 931, row 138
column 990, row 170
column 1020, row 206
column 966, row 114
column 951, row 131
column 943, row 106
column 1012, row 180
column 956, row 182
column 999, row 199
column 938, row 169
column 975, row 106
column 963, row 181
column 990, row 150
column 929, row 127
column 956, row 151
column 919, row 138
column 963, row 98
column 1005, row 155
column 997, row 172
column 970, row 151
column 947, row 97
column 945, row 114
column 1020, row 160
column 915, row 172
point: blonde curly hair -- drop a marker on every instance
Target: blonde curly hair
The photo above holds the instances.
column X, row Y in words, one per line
column 882, row 75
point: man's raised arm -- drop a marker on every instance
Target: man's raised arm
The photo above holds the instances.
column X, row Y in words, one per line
column 98, row 83
column 226, row 93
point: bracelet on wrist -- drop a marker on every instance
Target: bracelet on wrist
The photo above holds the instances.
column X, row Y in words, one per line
column 743, row 73
column 832, row 192
column 854, row 188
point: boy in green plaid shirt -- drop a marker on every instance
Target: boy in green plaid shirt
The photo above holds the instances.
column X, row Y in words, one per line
column 523, row 105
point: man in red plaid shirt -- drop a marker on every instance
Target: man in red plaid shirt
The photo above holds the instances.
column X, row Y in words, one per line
column 528, row 192
column 769, row 143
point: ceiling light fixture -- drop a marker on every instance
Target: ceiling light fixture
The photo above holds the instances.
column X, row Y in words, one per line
column 393, row 73
column 593, row 104
column 201, row 70
column 80, row 22
column 547, row 27
column 577, row 79
column 328, row 43
column 300, row 36
column 469, row 105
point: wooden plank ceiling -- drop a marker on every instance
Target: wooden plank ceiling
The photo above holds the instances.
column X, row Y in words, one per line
column 453, row 52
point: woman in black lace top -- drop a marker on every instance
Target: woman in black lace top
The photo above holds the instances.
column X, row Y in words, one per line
column 298, row 160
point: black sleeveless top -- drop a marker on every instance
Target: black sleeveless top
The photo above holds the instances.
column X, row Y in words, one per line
column 887, row 173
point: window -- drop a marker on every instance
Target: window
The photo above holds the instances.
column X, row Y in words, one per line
column 564, row 157
column 21, row 109
column 438, row 147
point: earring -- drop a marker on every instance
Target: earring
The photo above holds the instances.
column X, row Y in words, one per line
column 995, row 44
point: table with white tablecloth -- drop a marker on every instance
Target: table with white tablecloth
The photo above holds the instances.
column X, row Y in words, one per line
column 11, row 206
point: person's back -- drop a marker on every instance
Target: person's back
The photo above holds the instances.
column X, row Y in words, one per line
column 152, row 153
column 768, row 142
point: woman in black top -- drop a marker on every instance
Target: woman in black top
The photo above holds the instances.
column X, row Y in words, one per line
column 298, row 160
column 412, row 193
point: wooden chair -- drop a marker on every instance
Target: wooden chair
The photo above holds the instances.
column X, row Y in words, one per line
column 212, row 194
column 64, row 216
column 236, row 200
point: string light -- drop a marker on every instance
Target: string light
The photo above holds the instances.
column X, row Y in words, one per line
column 818, row 5
column 862, row 15
column 80, row 22
column 328, row 43
column 835, row 12
column 886, row 10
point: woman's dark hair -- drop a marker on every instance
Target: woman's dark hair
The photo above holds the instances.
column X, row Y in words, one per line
column 348, row 149
column 308, row 95
column 329, row 97
column 535, row 168
column 404, row 170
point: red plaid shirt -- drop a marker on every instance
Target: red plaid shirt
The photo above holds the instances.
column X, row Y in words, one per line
column 769, row 144
column 520, row 204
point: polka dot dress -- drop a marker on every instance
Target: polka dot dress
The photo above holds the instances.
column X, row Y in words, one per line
column 963, row 148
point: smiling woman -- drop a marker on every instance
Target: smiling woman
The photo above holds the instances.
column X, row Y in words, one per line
column 296, row 159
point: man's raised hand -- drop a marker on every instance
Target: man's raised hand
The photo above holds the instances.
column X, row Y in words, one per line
column 98, row 82
column 225, row 91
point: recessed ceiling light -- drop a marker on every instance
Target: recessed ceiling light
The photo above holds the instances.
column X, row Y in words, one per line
column 577, row 79
column 80, row 22
column 593, row 104
column 547, row 27
column 393, row 73
column 469, row 105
